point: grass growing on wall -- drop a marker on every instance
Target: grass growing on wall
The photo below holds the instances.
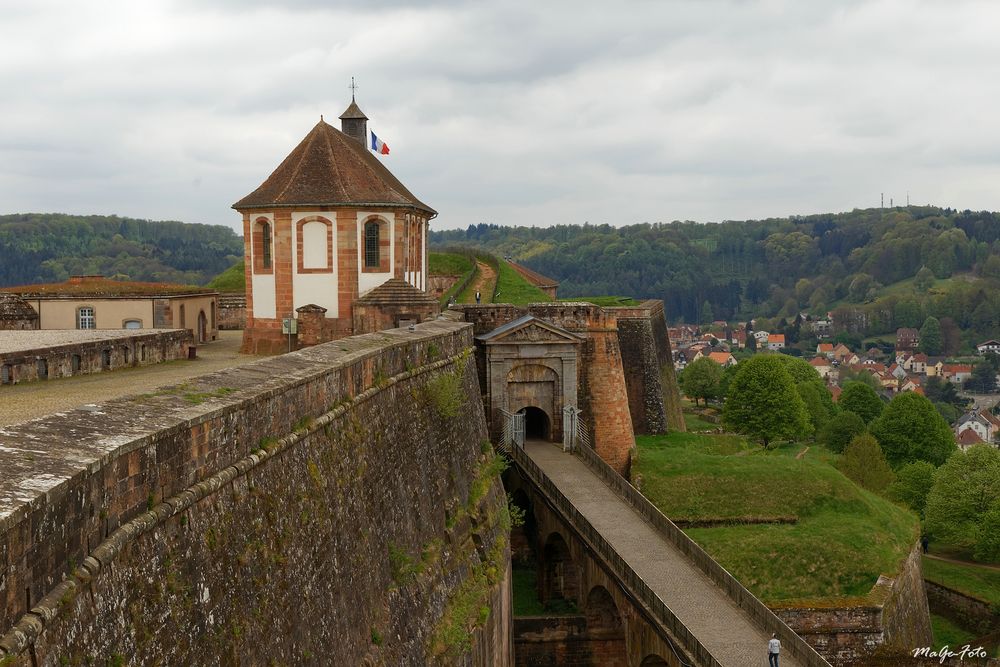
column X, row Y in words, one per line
column 514, row 288
column 844, row 538
column 604, row 300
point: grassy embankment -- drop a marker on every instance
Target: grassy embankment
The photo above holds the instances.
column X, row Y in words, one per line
column 514, row 288
column 843, row 539
column 604, row 300
column 451, row 264
column 230, row 280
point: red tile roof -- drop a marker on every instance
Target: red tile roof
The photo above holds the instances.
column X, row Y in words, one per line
column 819, row 361
column 969, row 437
column 328, row 168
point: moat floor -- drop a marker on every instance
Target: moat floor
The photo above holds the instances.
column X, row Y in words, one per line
column 30, row 400
column 722, row 627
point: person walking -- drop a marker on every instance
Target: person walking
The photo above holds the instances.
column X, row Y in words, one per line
column 773, row 648
column 478, row 296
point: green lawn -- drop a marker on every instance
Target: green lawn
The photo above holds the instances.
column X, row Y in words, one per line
column 512, row 287
column 230, row 280
column 948, row 634
column 973, row 580
column 844, row 538
column 449, row 264
column 695, row 423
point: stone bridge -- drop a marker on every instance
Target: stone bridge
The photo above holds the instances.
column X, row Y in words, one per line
column 649, row 595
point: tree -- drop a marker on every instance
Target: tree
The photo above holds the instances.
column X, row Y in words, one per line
column 865, row 464
column 840, row 430
column 700, row 379
column 763, row 403
column 913, row 483
column 931, row 340
column 910, row 429
column 924, row 279
column 860, row 375
column 983, row 380
column 861, row 399
column 706, row 313
column 966, row 489
column 939, row 390
column 818, row 403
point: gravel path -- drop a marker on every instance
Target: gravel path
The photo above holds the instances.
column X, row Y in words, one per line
column 30, row 400
column 485, row 281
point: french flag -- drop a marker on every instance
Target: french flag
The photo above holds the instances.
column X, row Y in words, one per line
column 379, row 146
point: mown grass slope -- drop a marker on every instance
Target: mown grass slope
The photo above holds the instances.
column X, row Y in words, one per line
column 514, row 288
column 844, row 538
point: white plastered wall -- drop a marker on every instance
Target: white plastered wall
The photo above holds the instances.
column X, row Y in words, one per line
column 369, row 281
column 264, row 294
column 318, row 288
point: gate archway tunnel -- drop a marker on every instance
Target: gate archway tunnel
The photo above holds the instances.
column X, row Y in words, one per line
column 536, row 424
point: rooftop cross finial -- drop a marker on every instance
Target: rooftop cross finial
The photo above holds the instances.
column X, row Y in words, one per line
column 353, row 87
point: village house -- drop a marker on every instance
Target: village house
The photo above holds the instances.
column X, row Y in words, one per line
column 983, row 423
column 776, row 342
column 956, row 373
column 724, row 359
column 825, row 349
column 761, row 337
column 822, row 366
column 989, row 346
column 907, row 338
column 96, row 302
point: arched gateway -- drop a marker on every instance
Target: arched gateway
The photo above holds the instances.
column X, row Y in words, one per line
column 531, row 370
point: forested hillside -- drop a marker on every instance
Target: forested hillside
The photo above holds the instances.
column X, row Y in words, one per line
column 878, row 269
column 48, row 247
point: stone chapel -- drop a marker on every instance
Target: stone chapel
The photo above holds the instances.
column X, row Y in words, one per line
column 333, row 240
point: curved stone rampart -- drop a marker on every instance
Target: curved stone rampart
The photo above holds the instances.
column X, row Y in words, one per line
column 338, row 505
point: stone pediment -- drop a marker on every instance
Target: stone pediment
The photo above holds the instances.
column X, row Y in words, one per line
column 529, row 329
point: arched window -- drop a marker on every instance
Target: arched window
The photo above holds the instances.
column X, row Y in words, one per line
column 263, row 240
column 371, row 244
column 265, row 237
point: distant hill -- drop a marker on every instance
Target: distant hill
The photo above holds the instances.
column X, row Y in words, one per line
column 49, row 247
column 866, row 264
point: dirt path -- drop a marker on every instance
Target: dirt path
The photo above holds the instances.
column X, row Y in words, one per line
column 802, row 453
column 21, row 402
column 963, row 562
column 485, row 282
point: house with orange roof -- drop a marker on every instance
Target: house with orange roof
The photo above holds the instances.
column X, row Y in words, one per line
column 825, row 348
column 822, row 366
column 956, row 372
column 724, row 359
column 775, row 341
column 969, row 438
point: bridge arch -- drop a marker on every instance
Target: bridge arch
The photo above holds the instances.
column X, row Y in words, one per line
column 560, row 578
column 605, row 625
column 523, row 538
column 653, row 661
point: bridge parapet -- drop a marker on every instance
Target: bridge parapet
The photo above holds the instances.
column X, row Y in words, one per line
column 656, row 611
column 746, row 600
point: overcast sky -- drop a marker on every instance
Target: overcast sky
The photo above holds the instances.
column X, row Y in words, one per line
column 536, row 112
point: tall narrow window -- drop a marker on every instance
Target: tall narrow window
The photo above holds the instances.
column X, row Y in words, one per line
column 85, row 318
column 371, row 244
column 265, row 253
column 183, row 318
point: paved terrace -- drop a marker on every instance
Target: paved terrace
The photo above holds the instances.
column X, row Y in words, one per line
column 705, row 609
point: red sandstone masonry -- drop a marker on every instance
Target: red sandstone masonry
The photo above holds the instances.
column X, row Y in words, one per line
column 90, row 483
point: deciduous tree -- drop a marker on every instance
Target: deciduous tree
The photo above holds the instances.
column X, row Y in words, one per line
column 913, row 483
column 763, row 403
column 910, row 429
column 700, row 379
column 931, row 340
column 962, row 502
column 865, row 464
column 840, row 430
column 861, row 399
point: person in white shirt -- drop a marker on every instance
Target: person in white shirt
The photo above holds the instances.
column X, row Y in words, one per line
column 773, row 648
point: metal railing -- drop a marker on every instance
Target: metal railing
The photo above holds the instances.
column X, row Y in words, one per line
column 649, row 601
column 747, row 601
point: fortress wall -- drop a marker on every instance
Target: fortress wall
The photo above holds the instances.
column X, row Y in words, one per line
column 894, row 622
column 640, row 361
column 668, row 375
column 337, row 505
column 143, row 348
